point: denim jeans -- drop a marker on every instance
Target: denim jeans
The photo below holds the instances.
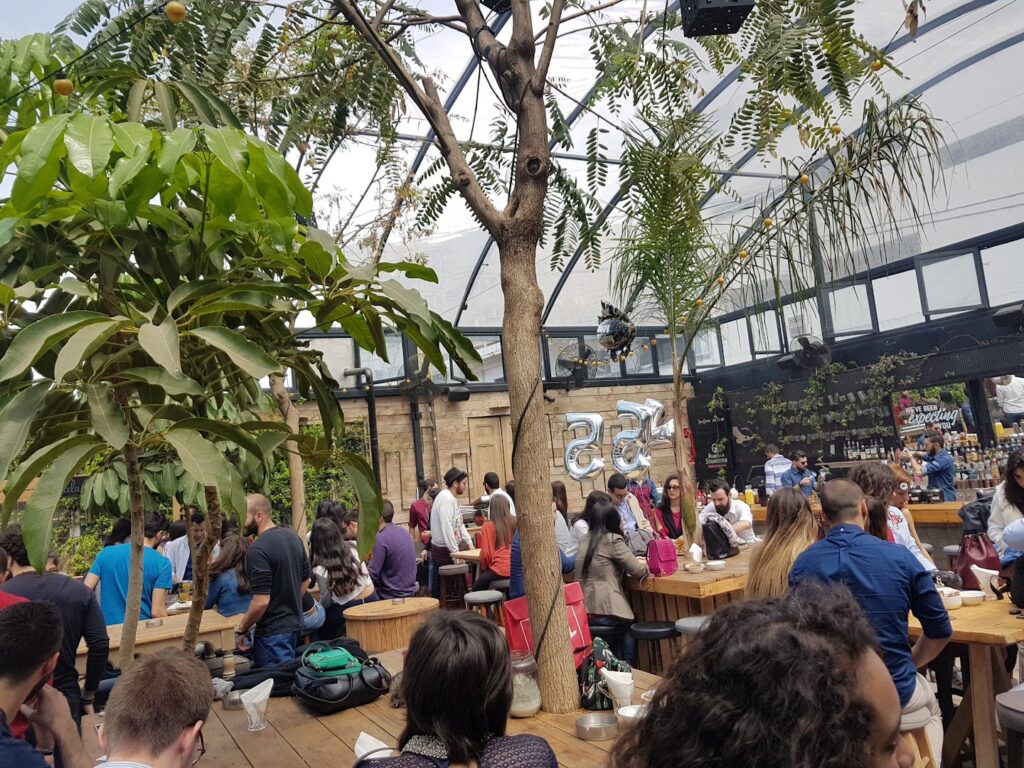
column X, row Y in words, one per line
column 272, row 650
column 434, row 580
column 314, row 620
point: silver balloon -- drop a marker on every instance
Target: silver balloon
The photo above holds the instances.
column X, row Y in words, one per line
column 589, row 443
column 628, row 456
column 661, row 433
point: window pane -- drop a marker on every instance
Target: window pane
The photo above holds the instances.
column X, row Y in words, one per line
column 736, row 342
column 765, row 329
column 606, row 368
column 951, row 283
column 705, row 349
column 897, row 300
column 665, row 354
column 850, row 310
column 802, row 319
column 339, row 354
column 640, row 363
column 393, row 367
column 489, row 348
column 1002, row 266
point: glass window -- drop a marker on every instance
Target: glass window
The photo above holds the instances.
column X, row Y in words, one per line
column 765, row 329
column 606, row 368
column 640, row 361
column 1002, row 272
column 492, row 368
column 802, row 319
column 664, row 344
column 339, row 354
column 736, row 342
column 393, row 367
column 705, row 349
column 950, row 283
column 850, row 309
column 897, row 300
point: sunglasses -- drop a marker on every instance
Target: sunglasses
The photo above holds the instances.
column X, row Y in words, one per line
column 199, row 754
column 904, row 486
column 673, row 488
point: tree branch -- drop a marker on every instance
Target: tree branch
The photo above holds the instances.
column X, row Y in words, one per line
column 429, row 103
column 549, row 45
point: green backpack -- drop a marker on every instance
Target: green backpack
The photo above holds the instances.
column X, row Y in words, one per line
column 324, row 660
column 591, row 697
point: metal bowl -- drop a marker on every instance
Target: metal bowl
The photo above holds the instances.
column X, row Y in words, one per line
column 597, row 726
column 233, row 700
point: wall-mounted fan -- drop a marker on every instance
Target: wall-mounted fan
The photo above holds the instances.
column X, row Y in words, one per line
column 573, row 364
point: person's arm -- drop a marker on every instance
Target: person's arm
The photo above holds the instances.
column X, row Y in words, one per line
column 927, row 606
column 631, row 564
column 52, row 714
column 377, row 558
column 746, row 521
column 486, row 546
column 913, row 534
column 213, row 592
column 91, row 580
column 997, row 520
column 257, row 607
column 642, row 523
column 926, row 649
column 94, row 631
column 257, row 570
column 158, row 603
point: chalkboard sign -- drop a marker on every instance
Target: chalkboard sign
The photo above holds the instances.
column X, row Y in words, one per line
column 710, row 428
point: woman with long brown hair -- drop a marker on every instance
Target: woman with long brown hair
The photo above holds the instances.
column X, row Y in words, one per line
column 229, row 587
column 790, row 528
column 567, row 545
column 495, row 543
column 668, row 515
column 342, row 579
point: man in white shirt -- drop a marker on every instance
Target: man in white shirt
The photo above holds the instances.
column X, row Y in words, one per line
column 447, row 529
column 736, row 512
column 776, row 466
column 492, row 488
column 1010, row 397
column 178, row 551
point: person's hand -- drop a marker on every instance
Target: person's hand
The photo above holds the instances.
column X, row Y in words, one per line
column 242, row 641
column 805, row 481
column 905, row 455
column 88, row 708
column 50, row 709
column 643, row 560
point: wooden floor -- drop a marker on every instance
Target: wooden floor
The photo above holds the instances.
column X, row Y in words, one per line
column 295, row 737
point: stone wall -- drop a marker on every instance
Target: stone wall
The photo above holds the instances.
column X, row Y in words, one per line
column 476, row 435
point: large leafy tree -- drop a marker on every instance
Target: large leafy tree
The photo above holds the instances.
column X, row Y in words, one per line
column 147, row 278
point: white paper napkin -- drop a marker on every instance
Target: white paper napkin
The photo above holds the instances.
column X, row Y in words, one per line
column 695, row 553
column 366, row 743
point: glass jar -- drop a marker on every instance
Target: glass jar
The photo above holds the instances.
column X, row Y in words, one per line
column 525, row 687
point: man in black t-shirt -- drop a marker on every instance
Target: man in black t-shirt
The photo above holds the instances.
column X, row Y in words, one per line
column 278, row 571
column 82, row 619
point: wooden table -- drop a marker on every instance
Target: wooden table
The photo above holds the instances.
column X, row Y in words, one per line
column 215, row 629
column 944, row 513
column 986, row 629
column 385, row 624
column 296, row 738
column 467, row 555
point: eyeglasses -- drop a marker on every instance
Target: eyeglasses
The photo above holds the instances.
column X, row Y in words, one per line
column 673, row 488
column 200, row 748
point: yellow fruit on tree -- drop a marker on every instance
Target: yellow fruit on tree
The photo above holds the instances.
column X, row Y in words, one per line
column 768, row 222
column 743, row 254
column 721, row 279
column 804, row 179
column 699, row 302
column 836, row 130
column 876, row 65
column 63, row 86
column 176, row 11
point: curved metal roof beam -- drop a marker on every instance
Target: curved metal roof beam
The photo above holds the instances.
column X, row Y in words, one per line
column 750, row 154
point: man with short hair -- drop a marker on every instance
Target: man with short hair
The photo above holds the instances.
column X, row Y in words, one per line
column 80, row 612
column 419, row 511
column 492, row 488
column 888, row 582
column 776, row 466
column 799, row 476
column 155, row 715
column 392, row 565
column 937, row 466
column 447, row 529
column 111, row 568
column 278, row 571
column 30, row 639
column 630, row 512
column 735, row 512
column 179, row 551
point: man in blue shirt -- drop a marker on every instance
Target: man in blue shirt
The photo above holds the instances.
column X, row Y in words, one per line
column 799, row 476
column 626, row 503
column 776, row 466
column 111, row 568
column 937, row 466
column 888, row 582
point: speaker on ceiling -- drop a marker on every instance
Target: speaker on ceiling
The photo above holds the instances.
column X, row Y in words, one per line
column 703, row 18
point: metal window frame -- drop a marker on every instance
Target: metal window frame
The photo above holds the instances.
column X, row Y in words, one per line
column 854, row 282
column 925, row 260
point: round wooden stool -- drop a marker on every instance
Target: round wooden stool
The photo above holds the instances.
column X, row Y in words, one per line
column 488, row 603
column 453, row 585
column 386, row 624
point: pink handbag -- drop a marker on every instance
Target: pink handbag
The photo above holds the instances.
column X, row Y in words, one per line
column 661, row 557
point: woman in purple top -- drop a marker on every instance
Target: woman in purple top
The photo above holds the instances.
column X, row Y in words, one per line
column 392, row 565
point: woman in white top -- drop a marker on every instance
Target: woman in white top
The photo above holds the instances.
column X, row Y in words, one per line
column 560, row 510
column 342, row 579
column 586, row 520
column 1008, row 505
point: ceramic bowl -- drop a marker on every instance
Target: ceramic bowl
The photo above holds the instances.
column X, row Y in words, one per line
column 715, row 565
column 952, row 602
column 972, row 596
column 629, row 715
column 693, row 567
column 597, row 726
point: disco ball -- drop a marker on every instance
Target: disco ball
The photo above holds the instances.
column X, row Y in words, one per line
column 615, row 334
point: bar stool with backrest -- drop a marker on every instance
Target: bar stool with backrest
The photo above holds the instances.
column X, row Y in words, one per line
column 453, row 585
column 488, row 603
column 655, row 632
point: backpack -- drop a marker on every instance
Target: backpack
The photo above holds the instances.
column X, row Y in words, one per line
column 661, row 558
column 592, row 697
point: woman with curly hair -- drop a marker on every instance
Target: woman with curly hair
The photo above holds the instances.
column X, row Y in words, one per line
column 790, row 528
column 342, row 579
column 751, row 690
column 229, row 586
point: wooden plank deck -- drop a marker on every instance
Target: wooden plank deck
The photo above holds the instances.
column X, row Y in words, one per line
column 295, row 737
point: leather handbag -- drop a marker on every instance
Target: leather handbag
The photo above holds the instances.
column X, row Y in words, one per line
column 328, row 694
column 325, row 660
column 716, row 542
column 661, row 558
column 975, row 549
column 519, row 633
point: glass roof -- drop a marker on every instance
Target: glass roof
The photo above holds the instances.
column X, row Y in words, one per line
column 963, row 63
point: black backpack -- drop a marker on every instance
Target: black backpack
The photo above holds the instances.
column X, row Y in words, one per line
column 716, row 542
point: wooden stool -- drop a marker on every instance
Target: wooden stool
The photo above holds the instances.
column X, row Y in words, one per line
column 453, row 585
column 488, row 603
column 655, row 632
column 387, row 624
column 1010, row 711
column 918, row 743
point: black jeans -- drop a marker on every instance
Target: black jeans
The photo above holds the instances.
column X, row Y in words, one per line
column 483, row 581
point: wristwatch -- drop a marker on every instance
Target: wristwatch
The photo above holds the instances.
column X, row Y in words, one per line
column 46, row 752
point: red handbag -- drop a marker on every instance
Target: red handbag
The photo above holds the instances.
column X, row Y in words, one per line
column 975, row 549
column 519, row 633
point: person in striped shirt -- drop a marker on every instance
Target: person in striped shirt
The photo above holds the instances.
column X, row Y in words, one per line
column 776, row 466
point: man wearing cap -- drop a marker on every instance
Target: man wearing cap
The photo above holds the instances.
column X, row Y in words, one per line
column 447, row 529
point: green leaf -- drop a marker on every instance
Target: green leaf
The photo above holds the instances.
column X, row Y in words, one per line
column 126, row 169
column 38, row 145
column 35, row 339
column 197, row 98
column 169, row 383
column 201, row 458
column 165, row 100
column 224, row 430
column 225, row 188
column 178, row 142
column 27, row 191
column 83, row 345
column 228, row 146
column 274, row 195
column 371, row 504
column 243, row 353
column 15, row 421
column 107, row 418
column 132, row 138
column 161, row 343
column 37, row 519
column 29, row 469
column 319, row 261
column 89, row 141
column 411, row 270
column 135, row 96
column 408, row 299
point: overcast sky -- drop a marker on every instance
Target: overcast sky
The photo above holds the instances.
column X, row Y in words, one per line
column 18, row 18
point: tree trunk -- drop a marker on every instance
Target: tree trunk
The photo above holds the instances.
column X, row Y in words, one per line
column 133, row 605
column 541, row 563
column 296, row 478
column 687, row 483
column 201, row 569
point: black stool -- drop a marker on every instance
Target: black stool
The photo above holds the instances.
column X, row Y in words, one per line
column 453, row 585
column 951, row 552
column 655, row 632
column 612, row 634
column 1010, row 711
